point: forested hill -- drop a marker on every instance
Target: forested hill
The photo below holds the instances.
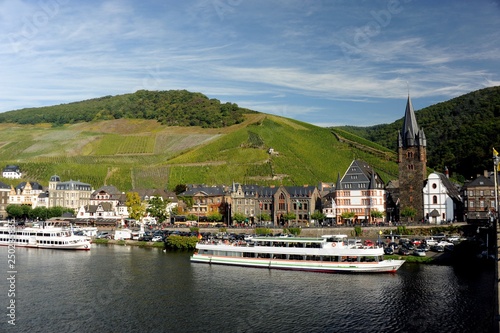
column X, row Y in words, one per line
column 172, row 108
column 460, row 132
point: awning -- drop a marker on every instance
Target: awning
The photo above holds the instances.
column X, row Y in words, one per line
column 434, row 213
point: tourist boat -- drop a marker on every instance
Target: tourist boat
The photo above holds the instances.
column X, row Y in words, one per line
column 329, row 253
column 44, row 238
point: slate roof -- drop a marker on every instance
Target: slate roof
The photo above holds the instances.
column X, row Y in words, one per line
column 300, row 191
column 410, row 134
column 205, row 190
column 73, row 185
column 34, row 186
column 360, row 175
column 453, row 191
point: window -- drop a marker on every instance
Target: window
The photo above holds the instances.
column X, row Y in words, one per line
column 434, row 199
column 434, row 185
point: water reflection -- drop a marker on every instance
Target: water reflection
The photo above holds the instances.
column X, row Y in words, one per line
column 131, row 289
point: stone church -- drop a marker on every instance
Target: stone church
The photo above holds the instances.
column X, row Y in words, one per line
column 412, row 161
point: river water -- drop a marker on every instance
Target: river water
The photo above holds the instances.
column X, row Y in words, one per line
column 131, row 289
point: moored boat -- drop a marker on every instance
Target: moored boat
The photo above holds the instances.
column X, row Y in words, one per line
column 329, row 253
column 45, row 238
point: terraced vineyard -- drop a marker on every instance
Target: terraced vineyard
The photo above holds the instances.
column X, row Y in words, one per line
column 144, row 154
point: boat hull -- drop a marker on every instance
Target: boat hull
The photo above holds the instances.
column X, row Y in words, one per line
column 386, row 266
column 80, row 247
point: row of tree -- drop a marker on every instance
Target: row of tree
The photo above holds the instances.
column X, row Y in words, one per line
column 25, row 212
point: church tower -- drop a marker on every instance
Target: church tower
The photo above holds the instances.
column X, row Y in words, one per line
column 412, row 160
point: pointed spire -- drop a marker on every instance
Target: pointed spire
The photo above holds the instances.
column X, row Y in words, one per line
column 339, row 184
column 411, row 135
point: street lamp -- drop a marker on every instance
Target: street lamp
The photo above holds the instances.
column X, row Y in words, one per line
column 199, row 212
column 297, row 212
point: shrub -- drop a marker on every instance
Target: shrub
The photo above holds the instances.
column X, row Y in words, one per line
column 181, row 242
column 293, row 231
column 263, row 231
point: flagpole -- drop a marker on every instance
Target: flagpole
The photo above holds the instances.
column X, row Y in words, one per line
column 495, row 170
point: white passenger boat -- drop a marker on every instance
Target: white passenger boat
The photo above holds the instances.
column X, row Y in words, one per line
column 330, row 253
column 46, row 238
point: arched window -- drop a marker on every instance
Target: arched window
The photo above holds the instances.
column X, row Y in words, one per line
column 281, row 202
column 434, row 199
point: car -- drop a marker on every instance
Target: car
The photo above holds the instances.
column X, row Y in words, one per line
column 403, row 251
column 437, row 248
column 157, row 238
column 103, row 235
column 368, row 243
column 419, row 253
column 393, row 245
column 146, row 238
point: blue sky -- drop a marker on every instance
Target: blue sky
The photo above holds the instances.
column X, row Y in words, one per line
column 328, row 63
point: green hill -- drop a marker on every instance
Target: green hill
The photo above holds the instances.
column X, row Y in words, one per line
column 173, row 108
column 139, row 153
column 460, row 132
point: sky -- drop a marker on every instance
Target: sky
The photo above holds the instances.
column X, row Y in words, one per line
column 328, row 63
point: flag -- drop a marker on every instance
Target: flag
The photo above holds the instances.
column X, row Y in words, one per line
column 495, row 153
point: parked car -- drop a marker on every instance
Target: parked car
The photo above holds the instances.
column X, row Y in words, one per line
column 103, row 234
column 368, row 243
column 393, row 245
column 147, row 237
column 437, row 248
column 157, row 238
column 419, row 253
column 403, row 251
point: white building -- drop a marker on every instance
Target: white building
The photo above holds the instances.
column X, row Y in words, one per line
column 440, row 198
column 26, row 193
column 12, row 172
column 360, row 191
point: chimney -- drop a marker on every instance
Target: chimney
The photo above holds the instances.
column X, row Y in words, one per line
column 446, row 172
column 485, row 173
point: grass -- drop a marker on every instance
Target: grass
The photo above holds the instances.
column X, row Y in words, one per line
column 411, row 258
column 144, row 154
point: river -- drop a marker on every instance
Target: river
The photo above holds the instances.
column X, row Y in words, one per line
column 131, row 289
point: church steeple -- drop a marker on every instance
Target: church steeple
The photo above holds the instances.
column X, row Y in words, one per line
column 412, row 160
column 410, row 134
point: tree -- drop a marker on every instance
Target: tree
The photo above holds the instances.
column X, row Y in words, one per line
column 318, row 216
column 136, row 209
column 239, row 218
column 347, row 215
column 376, row 214
column 289, row 216
column 408, row 212
column 180, row 188
column 214, row 217
column 157, row 207
column 264, row 217
column 14, row 211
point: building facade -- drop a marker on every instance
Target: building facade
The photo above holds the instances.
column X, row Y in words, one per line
column 71, row 194
column 442, row 200
column 479, row 199
column 25, row 193
column 360, row 191
column 12, row 172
